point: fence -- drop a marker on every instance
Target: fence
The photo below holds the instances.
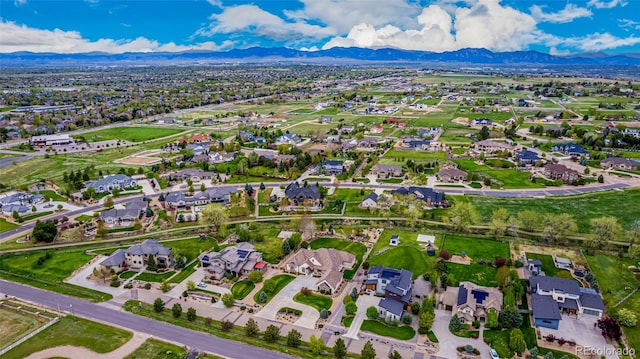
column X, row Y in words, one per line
column 28, row 336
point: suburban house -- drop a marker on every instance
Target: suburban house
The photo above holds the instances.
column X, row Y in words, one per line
column 376, row 129
column 570, row 149
column 534, row 266
column 369, row 142
column 297, row 195
column 51, row 140
column 490, row 146
column 331, row 167
column 288, row 139
column 399, row 123
column 527, row 158
column 386, row 171
column 619, row 163
column 395, row 284
column 631, row 132
column 429, row 195
column 237, row 260
column 471, row 301
column 19, row 209
column 325, row 263
column 198, row 138
column 220, row 195
column 482, row 122
column 136, row 256
column 247, row 136
column 417, row 144
column 21, row 199
column 551, row 297
column 195, row 175
column 560, row 172
column 124, row 217
column 111, row 182
column 326, row 119
column 347, row 128
column 452, row 174
column 370, row 200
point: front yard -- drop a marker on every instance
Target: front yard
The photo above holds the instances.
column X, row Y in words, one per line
column 280, row 281
column 404, row 332
column 242, row 288
column 317, row 301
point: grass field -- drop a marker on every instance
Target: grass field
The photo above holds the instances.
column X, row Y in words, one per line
column 357, row 249
column 15, row 325
column 153, row 348
column 53, row 195
column 7, row 226
column 242, row 288
column 50, row 275
column 154, row 277
column 404, row 332
column 131, row 134
column 317, row 301
column 280, row 281
column 618, row 204
column 480, row 274
column 475, row 247
column 507, row 178
column 408, row 254
column 548, row 266
column 73, row 331
column 416, row 156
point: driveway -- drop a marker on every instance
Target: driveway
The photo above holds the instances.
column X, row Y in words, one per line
column 196, row 277
column 363, row 302
column 81, row 278
column 284, row 298
column 583, row 332
column 449, row 342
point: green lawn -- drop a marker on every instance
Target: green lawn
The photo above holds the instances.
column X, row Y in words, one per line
column 84, row 218
column 355, row 248
column 153, row 348
column 281, row 281
column 583, row 207
column 53, row 195
column 154, row 277
column 416, row 156
column 16, row 324
column 404, row 332
column 73, row 331
column 131, row 134
column 128, row 274
column 548, row 266
column 37, row 215
column 500, row 342
column 476, row 247
column 242, row 288
column 407, row 254
column 507, row 178
column 7, row 226
column 191, row 248
column 317, row 301
column 23, row 268
column 480, row 274
column 271, row 246
column 184, row 273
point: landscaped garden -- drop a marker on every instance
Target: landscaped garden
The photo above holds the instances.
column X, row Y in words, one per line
column 242, row 288
column 73, row 331
column 317, row 301
column 403, row 332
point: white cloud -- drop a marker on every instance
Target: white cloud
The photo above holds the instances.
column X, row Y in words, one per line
column 485, row 24
column 19, row 2
column 22, row 38
column 591, row 42
column 252, row 19
column 603, row 4
column 628, row 24
column 568, row 14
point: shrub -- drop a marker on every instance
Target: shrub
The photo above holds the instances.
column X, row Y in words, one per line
column 324, row 314
column 207, row 321
column 518, row 264
column 407, row 319
column 444, row 254
column 158, row 305
column 227, row 300
column 499, row 262
column 176, row 310
column 226, row 325
column 372, row 312
column 191, row 314
column 262, row 297
column 415, row 307
column 147, row 286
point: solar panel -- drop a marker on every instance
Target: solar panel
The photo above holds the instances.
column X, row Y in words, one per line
column 242, row 253
column 479, row 295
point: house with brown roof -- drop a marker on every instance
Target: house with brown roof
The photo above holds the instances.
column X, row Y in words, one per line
column 619, row 163
column 386, row 171
column 325, row 263
column 471, row 301
column 452, row 174
column 491, row 146
column 555, row 171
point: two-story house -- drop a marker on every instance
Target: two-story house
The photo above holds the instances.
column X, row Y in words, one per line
column 111, row 182
column 325, row 263
column 331, row 167
column 237, row 260
column 471, row 302
column 136, row 256
column 395, row 284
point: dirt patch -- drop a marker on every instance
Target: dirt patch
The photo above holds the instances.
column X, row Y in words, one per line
column 75, row 352
column 460, row 260
column 461, row 120
column 575, row 256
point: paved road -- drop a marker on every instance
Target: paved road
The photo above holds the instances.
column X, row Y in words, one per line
column 157, row 329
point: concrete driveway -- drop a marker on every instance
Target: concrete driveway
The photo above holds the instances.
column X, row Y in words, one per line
column 449, row 342
column 363, row 302
column 81, row 278
column 284, row 298
column 583, row 332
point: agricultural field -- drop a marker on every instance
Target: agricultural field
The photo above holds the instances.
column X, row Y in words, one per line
column 131, row 134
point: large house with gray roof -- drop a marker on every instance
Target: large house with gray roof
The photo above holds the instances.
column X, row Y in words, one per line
column 470, row 301
column 297, row 195
column 111, row 182
column 551, row 297
column 396, row 286
column 221, row 195
column 124, row 217
column 137, row 255
column 432, row 197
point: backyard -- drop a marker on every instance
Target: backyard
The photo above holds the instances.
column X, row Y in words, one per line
column 475, row 247
column 408, row 254
column 481, row 274
column 548, row 266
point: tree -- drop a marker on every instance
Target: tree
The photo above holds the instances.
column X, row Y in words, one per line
column 529, row 220
column 368, row 352
column 610, row 328
column 372, row 312
column 558, row 226
column 176, row 310
column 427, row 315
column 502, row 276
column 203, row 187
column 634, row 233
column 462, row 216
column 262, row 186
column 339, row 349
column 316, row 345
column 262, row 297
column 604, row 230
column 191, row 314
column 251, row 329
column 533, row 353
column 151, row 263
column 165, row 286
column 549, row 355
column 108, row 202
column 226, row 325
column 351, row 308
column 101, row 230
column 324, row 313
column 499, row 222
column 516, row 341
column 44, row 231
column 510, row 318
column 484, row 133
column 255, row 276
column 294, row 338
column 454, row 324
column 354, row 294
column 137, row 226
column 286, row 248
column 272, row 334
column 191, row 285
column 158, row 305
column 413, row 212
column 395, row 355
column 228, row 300
column 214, row 216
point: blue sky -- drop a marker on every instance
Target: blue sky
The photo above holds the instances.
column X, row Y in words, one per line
column 551, row 26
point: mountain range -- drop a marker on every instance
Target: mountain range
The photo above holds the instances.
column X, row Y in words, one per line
column 335, row 55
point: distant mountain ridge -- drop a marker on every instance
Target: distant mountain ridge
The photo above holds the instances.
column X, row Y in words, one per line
column 333, row 55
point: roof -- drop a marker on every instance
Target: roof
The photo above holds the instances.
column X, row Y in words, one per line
column 563, row 260
column 105, row 181
column 452, row 172
column 544, row 307
column 535, row 262
column 399, row 280
column 115, row 259
column 528, row 155
column 422, row 193
column 591, row 300
column 558, row 168
column 150, row 246
column 294, row 190
column 620, row 161
column 332, row 163
column 387, row 168
column 569, row 148
column 552, row 283
column 372, row 196
column 392, row 306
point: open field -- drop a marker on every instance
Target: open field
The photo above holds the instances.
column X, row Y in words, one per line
column 156, row 349
column 355, row 248
column 15, row 325
column 475, row 247
column 131, row 134
column 73, row 331
column 416, row 156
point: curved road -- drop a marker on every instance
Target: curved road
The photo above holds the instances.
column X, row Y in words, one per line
column 157, row 329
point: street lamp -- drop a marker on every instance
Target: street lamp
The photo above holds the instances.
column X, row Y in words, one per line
column 71, row 306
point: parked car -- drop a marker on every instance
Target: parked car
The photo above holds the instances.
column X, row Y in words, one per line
column 494, row 354
column 202, row 285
